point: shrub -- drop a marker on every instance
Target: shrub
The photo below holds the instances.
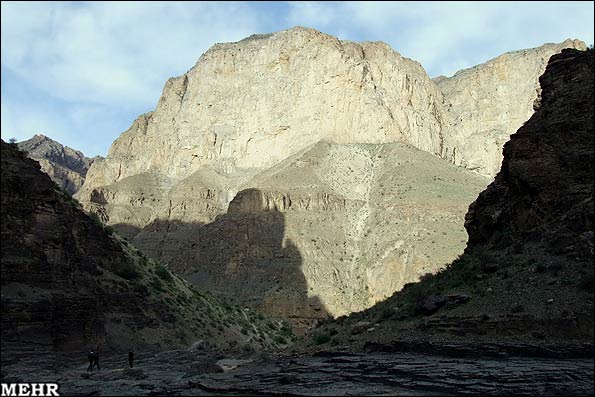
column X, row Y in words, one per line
column 163, row 273
column 586, row 282
column 95, row 218
column 156, row 284
column 320, row 339
column 279, row 339
column 127, row 270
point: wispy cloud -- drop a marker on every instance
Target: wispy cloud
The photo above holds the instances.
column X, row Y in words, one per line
column 109, row 55
column 448, row 36
column 81, row 72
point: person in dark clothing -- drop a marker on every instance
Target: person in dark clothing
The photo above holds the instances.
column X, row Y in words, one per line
column 130, row 358
column 91, row 356
column 93, row 360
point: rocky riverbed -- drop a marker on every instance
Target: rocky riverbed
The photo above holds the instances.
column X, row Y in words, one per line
column 201, row 373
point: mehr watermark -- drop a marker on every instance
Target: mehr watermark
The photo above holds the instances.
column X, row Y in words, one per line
column 30, row 389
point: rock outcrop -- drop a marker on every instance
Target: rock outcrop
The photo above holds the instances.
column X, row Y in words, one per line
column 544, row 193
column 341, row 140
column 69, row 284
column 487, row 103
column 527, row 271
column 65, row 166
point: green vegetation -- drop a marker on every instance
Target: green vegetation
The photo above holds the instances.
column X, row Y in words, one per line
column 163, row 273
column 320, row 339
column 127, row 270
column 280, row 339
column 156, row 285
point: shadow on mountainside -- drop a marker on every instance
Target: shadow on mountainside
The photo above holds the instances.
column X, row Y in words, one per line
column 242, row 257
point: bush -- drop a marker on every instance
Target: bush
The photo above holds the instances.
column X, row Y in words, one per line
column 156, row 284
column 95, row 218
column 128, row 271
column 586, row 282
column 321, row 339
column 163, row 273
column 279, row 339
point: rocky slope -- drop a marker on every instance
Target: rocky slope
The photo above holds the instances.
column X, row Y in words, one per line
column 326, row 132
column 65, row 166
column 527, row 271
column 70, row 284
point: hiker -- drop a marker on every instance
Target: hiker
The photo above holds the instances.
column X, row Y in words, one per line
column 97, row 360
column 93, row 360
column 130, row 358
column 91, row 356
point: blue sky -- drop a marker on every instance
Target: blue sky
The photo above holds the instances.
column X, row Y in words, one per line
column 81, row 72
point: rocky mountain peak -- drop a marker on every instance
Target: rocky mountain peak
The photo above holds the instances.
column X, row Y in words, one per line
column 66, row 166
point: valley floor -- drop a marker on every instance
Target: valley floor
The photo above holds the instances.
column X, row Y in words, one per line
column 186, row 373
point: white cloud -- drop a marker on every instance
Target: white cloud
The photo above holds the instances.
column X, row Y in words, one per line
column 113, row 51
column 447, row 36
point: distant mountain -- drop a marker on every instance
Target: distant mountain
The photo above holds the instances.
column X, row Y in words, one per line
column 69, row 283
column 66, row 166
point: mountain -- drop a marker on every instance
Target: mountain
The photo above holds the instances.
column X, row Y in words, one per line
column 70, row 284
column 67, row 167
column 527, row 271
column 485, row 104
column 344, row 152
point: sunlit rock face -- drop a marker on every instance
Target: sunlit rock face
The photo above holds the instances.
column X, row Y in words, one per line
column 351, row 145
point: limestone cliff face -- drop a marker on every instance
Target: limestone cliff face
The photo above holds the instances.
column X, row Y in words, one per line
column 65, row 166
column 342, row 139
column 67, row 284
column 485, row 104
column 254, row 103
